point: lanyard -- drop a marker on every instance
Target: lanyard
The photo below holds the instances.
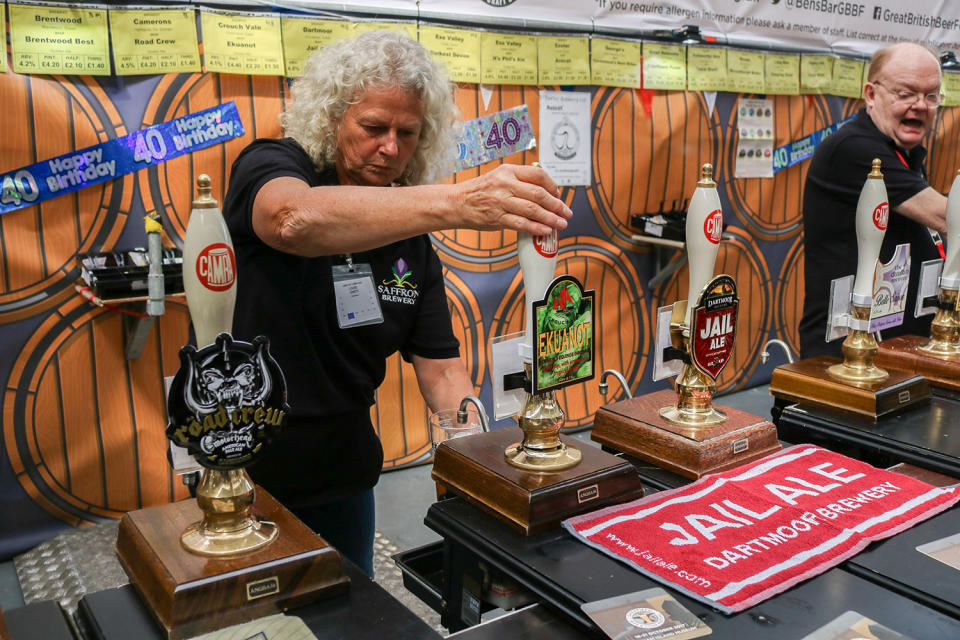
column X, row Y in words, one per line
column 934, row 235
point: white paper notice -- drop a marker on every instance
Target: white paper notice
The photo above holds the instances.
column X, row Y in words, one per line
column 755, row 140
column 565, row 136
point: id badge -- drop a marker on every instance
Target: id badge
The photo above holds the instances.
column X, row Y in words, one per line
column 356, row 295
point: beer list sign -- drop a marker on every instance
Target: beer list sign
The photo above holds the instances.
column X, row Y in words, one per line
column 736, row 538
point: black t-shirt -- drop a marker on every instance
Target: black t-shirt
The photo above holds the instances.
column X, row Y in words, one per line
column 837, row 172
column 329, row 447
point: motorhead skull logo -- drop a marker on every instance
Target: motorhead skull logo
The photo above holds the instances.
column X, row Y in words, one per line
column 225, row 401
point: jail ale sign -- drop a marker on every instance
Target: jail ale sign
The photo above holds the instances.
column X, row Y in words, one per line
column 714, row 326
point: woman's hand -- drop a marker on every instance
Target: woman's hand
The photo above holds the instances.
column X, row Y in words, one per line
column 518, row 197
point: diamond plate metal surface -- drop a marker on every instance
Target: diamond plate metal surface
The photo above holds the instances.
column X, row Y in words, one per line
column 81, row 561
column 70, row 565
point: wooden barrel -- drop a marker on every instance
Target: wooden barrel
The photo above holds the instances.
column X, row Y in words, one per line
column 622, row 331
column 771, row 208
column 489, row 250
column 740, row 258
column 170, row 187
column 400, row 413
column 83, row 426
column 646, row 163
column 55, row 115
column 943, row 159
column 789, row 297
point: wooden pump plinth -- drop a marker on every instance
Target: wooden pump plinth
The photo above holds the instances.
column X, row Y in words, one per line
column 190, row 594
column 636, row 428
column 809, row 382
column 936, row 358
column 903, row 354
column 475, row 468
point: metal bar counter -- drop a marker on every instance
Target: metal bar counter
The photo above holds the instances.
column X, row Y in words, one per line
column 563, row 573
column 927, row 436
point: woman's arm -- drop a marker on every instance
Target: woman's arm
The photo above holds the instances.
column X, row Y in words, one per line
column 443, row 382
column 293, row 217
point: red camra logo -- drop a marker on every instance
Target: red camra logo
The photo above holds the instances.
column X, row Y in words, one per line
column 881, row 215
column 547, row 245
column 713, row 226
column 217, row 267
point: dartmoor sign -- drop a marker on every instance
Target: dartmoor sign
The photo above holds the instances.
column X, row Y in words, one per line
column 736, row 538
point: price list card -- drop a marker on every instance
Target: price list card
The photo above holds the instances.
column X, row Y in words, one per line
column 664, row 66
column 459, row 50
column 781, row 74
column 816, row 74
column 508, row 59
column 247, row 44
column 745, row 71
column 615, row 63
column 563, row 60
column 59, row 39
column 302, row 37
column 707, row 69
column 154, row 41
column 847, row 78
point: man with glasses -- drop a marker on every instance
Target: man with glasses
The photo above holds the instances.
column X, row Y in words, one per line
column 902, row 95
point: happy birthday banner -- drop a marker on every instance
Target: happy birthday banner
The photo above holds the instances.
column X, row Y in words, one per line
column 493, row 136
column 112, row 159
column 799, row 150
column 736, row 538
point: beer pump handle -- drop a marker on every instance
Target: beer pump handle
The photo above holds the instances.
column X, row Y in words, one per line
column 873, row 212
column 538, row 263
column 703, row 230
column 209, row 268
column 950, row 278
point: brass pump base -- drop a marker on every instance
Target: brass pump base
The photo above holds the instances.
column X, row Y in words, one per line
column 556, row 459
column 228, row 528
column 859, row 350
column 945, row 328
column 694, row 406
column 540, row 419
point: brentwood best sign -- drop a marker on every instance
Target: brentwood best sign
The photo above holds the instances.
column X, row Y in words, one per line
column 736, row 538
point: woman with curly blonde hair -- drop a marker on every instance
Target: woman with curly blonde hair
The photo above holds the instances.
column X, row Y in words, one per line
column 333, row 79
column 337, row 268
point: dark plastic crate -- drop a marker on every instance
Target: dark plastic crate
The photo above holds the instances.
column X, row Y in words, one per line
column 422, row 570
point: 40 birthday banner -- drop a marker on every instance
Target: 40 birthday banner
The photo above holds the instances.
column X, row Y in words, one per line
column 112, row 159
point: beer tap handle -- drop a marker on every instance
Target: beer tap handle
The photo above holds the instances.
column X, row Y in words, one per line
column 873, row 213
column 538, row 263
column 703, row 228
column 950, row 278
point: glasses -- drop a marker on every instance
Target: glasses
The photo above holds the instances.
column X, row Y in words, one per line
column 906, row 98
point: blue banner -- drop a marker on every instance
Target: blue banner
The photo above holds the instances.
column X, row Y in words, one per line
column 108, row 160
column 799, row 150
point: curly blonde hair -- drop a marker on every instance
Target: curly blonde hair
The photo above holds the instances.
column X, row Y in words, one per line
column 338, row 75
